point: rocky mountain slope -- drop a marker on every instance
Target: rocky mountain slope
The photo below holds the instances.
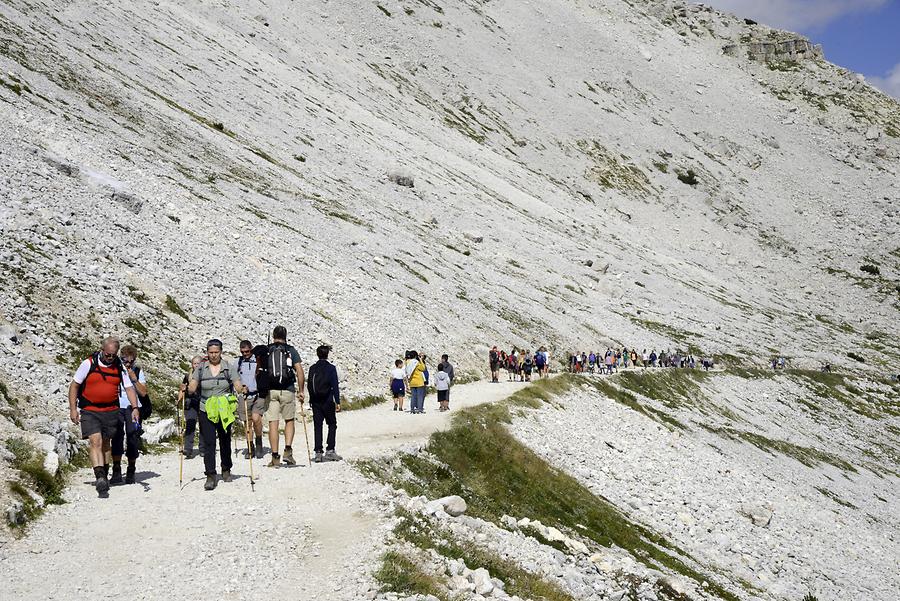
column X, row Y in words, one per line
column 438, row 175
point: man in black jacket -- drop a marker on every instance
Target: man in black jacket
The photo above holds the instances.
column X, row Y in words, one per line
column 325, row 400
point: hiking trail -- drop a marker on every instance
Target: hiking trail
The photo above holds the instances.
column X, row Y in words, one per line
column 303, row 531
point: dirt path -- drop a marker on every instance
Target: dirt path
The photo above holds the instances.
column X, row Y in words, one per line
column 303, row 532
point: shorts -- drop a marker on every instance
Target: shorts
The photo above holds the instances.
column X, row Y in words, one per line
column 256, row 405
column 495, row 365
column 280, row 404
column 103, row 422
column 398, row 389
column 443, row 395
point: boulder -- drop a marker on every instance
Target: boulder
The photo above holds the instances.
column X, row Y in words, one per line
column 453, row 505
column 760, row 515
column 164, row 428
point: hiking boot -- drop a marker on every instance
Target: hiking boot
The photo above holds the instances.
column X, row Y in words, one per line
column 275, row 461
column 129, row 474
column 288, row 457
column 116, row 474
column 332, row 456
column 260, row 452
column 319, row 458
column 226, row 475
column 210, row 482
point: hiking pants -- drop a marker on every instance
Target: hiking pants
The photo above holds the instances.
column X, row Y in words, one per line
column 208, row 434
column 125, row 441
column 190, row 427
column 417, row 399
column 324, row 412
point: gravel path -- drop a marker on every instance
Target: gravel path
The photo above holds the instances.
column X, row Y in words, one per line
column 305, row 530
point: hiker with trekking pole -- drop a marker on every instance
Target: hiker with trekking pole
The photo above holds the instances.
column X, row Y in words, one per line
column 216, row 382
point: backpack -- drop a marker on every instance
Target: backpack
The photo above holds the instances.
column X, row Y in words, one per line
column 104, row 373
column 281, row 367
column 494, row 357
column 319, row 383
column 146, row 408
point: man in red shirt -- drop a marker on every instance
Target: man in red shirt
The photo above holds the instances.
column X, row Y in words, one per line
column 94, row 403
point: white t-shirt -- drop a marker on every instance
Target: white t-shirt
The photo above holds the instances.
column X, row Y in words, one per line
column 124, row 403
column 247, row 371
column 398, row 373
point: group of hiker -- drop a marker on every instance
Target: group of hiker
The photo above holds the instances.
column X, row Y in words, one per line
column 611, row 360
column 519, row 364
column 108, row 398
column 410, row 375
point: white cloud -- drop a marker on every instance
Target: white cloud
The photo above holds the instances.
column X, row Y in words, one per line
column 890, row 83
column 795, row 14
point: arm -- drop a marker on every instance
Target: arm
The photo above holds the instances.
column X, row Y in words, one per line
column 193, row 382
column 73, row 403
column 140, row 383
column 334, row 388
column 301, row 381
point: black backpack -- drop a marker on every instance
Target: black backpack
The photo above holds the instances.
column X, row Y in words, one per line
column 319, row 382
column 280, row 367
column 146, row 408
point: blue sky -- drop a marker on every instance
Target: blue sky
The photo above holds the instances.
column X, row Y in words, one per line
column 862, row 35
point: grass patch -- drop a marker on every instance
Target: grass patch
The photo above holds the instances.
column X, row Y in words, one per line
column 412, row 271
column 629, row 400
column 480, row 460
column 399, row 574
column 363, row 402
column 79, row 349
column 173, row 306
column 29, row 461
column 688, row 177
column 835, row 498
column 136, row 325
column 808, row 456
column 425, row 534
column 672, row 387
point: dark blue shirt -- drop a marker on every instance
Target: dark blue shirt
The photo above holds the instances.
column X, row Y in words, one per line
column 323, row 368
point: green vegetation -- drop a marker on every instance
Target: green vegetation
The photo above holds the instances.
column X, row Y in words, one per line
column 855, row 357
column 412, row 271
column 688, row 177
column 80, row 349
column 136, row 325
column 363, row 402
column 478, row 459
column 870, row 269
column 661, row 167
column 614, row 172
column 400, row 574
column 674, row 334
column 808, row 456
column 383, row 9
column 426, row 534
column 786, row 66
column 29, row 461
column 624, row 397
column 173, row 306
column 835, row 498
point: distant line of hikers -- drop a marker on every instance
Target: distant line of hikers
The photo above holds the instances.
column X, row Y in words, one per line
column 613, row 359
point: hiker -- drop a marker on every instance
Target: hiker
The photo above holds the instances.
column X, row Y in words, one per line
column 539, row 362
column 398, row 384
column 285, row 375
column 634, row 358
column 527, row 367
column 127, row 438
column 494, row 361
column 653, row 358
column 216, row 383
column 325, row 400
column 94, row 404
column 253, row 405
column 451, row 373
column 191, row 410
column 442, row 384
column 415, row 375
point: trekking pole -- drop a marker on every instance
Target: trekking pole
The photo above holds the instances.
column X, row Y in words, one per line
column 305, row 435
column 178, row 408
column 247, row 429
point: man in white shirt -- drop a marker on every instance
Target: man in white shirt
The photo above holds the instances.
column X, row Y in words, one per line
column 127, row 438
column 256, row 406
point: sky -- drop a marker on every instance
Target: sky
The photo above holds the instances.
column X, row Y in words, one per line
column 861, row 35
